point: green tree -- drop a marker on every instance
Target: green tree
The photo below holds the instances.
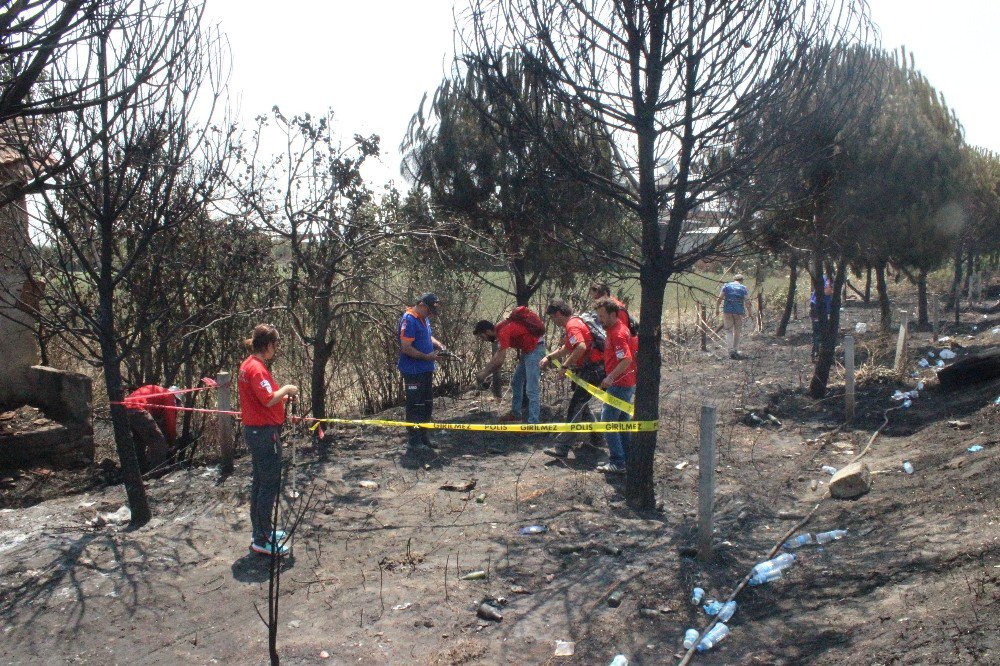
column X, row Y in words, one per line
column 501, row 191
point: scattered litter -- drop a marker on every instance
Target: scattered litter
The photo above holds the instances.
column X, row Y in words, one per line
column 480, row 498
column 947, row 354
column 565, row 648
column 534, row 529
column 930, row 354
column 829, row 469
column 814, row 484
column 682, row 464
column 713, row 607
column 939, row 363
column 799, row 541
column 908, row 467
column 975, row 449
column 899, row 395
column 861, row 327
column 713, row 638
column 615, row 598
column 907, row 403
column 832, row 535
column 727, row 611
column 619, row 660
column 324, row 654
column 294, row 624
column 368, row 485
column 474, row 575
column 946, row 338
column 122, row 515
column 770, row 576
column 697, row 594
column 488, row 611
column 690, row 637
column 959, row 425
column 399, row 607
column 460, row 485
column 923, row 363
column 920, row 386
column 210, row 472
column 519, row 589
column 997, row 401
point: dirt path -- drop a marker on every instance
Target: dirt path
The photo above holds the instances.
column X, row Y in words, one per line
column 916, row 581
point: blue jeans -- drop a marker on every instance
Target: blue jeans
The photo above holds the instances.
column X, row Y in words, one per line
column 617, row 441
column 264, row 443
column 528, row 379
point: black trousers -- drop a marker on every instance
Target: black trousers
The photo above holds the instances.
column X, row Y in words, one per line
column 419, row 404
column 579, row 402
column 264, row 443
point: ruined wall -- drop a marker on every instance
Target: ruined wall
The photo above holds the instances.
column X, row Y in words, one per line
column 17, row 327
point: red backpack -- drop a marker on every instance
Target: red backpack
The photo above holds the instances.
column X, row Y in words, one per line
column 525, row 316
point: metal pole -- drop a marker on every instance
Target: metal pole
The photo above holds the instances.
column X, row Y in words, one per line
column 849, row 379
column 225, row 422
column 706, row 481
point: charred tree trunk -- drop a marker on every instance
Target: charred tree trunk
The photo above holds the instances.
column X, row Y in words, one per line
column 923, row 320
column 868, row 286
column 828, row 334
column 885, row 307
column 793, row 277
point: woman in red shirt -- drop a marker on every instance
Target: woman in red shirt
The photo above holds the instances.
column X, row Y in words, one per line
column 262, row 409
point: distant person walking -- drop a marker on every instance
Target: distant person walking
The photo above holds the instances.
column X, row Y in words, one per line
column 735, row 303
column 523, row 331
column 582, row 354
column 619, row 381
column 262, row 409
column 152, row 418
column 418, row 351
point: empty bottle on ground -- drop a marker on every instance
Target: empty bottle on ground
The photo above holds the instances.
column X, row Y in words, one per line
column 779, row 563
column 727, row 611
column 714, row 637
column 697, row 594
column 832, row 535
column 766, row 577
column 799, row 541
column 690, row 637
column 713, row 607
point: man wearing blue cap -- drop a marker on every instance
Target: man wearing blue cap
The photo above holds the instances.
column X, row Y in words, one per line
column 418, row 350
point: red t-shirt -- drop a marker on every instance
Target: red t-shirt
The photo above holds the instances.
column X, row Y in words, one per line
column 152, row 398
column 577, row 332
column 257, row 387
column 623, row 318
column 515, row 335
column 617, row 347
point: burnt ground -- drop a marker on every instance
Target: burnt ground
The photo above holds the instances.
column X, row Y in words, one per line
column 374, row 575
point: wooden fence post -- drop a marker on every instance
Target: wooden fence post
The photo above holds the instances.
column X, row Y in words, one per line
column 901, row 342
column 225, row 422
column 704, row 327
column 706, row 482
column 849, row 379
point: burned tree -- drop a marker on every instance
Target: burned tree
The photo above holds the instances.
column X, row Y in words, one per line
column 666, row 83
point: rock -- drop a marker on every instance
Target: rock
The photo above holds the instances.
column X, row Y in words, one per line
column 324, row 654
column 460, row 485
column 294, row 624
column 960, row 425
column 851, row 482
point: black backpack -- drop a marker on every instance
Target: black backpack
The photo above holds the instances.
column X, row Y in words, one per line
column 595, row 328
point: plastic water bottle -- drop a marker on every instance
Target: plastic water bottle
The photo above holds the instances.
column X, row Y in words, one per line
column 690, row 638
column 619, row 660
column 713, row 607
column 832, row 535
column 727, row 611
column 697, row 594
column 713, row 638
column 779, row 563
column 829, row 469
column 766, row 577
column 799, row 541
column 908, row 467
column 907, row 403
column 976, row 448
column 920, row 386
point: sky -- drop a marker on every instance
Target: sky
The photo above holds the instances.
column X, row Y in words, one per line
column 371, row 61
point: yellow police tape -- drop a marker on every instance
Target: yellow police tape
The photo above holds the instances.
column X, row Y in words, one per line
column 600, row 394
column 586, row 426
